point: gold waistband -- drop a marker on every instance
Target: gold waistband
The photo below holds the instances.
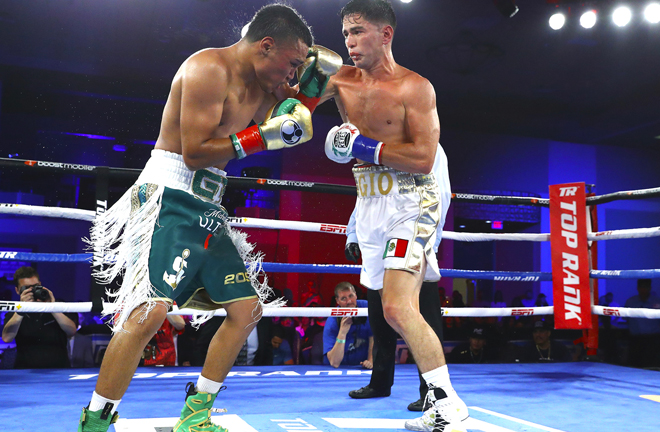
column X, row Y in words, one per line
column 378, row 180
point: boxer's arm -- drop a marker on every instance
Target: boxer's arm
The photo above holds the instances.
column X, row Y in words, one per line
column 203, row 93
column 423, row 127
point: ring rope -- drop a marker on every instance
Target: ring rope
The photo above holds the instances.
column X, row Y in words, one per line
column 512, row 276
column 324, row 312
column 274, row 184
column 245, row 222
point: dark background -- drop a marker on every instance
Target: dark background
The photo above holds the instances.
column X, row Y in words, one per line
column 521, row 106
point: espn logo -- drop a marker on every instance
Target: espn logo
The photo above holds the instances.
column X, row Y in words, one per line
column 522, row 312
column 344, row 312
column 7, row 307
column 611, row 312
column 340, row 229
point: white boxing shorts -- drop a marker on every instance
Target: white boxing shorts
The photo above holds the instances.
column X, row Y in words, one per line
column 397, row 217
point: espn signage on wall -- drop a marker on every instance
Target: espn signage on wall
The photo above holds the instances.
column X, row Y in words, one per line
column 570, row 256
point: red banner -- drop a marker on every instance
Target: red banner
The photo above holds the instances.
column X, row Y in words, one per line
column 570, row 259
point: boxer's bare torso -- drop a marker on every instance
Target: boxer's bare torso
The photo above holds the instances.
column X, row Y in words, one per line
column 384, row 100
column 216, row 93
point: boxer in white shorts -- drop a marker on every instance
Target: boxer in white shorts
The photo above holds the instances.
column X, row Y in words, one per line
column 391, row 122
column 397, row 215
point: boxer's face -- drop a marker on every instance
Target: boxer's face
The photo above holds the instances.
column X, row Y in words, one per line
column 363, row 40
column 280, row 62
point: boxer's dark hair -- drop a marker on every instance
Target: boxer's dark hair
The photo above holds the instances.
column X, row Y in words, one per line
column 280, row 22
column 374, row 11
column 24, row 273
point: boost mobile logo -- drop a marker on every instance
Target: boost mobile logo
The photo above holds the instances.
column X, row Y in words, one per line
column 60, row 165
column 288, row 183
column 291, row 132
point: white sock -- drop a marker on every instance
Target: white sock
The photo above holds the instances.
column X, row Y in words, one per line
column 439, row 377
column 207, row 386
column 98, row 403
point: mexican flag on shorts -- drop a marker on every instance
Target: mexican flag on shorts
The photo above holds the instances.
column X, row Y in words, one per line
column 396, row 248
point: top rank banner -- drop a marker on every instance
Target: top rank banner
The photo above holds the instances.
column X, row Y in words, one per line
column 570, row 256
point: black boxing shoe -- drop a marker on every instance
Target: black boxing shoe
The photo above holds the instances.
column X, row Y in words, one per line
column 418, row 405
column 367, row 392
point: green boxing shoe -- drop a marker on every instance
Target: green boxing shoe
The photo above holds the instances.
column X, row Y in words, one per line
column 196, row 413
column 97, row 421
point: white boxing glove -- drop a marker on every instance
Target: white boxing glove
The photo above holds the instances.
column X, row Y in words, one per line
column 339, row 143
column 344, row 143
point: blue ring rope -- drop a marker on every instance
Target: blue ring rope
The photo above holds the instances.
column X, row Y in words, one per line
column 355, row 269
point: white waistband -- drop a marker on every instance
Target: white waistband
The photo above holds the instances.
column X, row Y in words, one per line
column 168, row 169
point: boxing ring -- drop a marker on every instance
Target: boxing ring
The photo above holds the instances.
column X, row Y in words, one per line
column 551, row 397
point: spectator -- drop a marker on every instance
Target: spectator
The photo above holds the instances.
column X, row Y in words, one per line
column 644, row 345
column 161, row 350
column 498, row 300
column 348, row 340
column 457, row 299
column 528, row 300
column 41, row 338
column 607, row 321
column 541, row 300
column 480, row 302
column 281, row 348
column 544, row 349
column 476, row 350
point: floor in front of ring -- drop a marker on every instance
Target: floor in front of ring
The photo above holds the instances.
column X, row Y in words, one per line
column 570, row 397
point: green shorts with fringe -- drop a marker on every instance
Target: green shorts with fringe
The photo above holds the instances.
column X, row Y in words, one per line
column 192, row 259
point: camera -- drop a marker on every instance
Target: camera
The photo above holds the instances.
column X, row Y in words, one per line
column 39, row 292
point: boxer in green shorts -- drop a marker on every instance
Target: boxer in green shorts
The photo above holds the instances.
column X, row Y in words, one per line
column 193, row 260
column 167, row 235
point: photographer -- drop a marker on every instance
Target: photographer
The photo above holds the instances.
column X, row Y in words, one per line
column 41, row 338
column 348, row 340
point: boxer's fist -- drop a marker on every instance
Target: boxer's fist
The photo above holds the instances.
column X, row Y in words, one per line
column 314, row 74
column 344, row 143
column 320, row 65
column 288, row 123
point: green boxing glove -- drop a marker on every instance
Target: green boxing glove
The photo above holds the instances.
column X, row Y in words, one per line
column 314, row 74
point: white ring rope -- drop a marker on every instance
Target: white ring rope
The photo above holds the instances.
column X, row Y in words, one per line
column 321, row 312
column 58, row 212
column 245, row 222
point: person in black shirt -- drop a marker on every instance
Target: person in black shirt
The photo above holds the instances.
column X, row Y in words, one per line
column 41, row 338
column 544, row 349
column 476, row 350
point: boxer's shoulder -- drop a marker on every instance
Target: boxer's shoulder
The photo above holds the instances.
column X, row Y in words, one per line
column 209, row 64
